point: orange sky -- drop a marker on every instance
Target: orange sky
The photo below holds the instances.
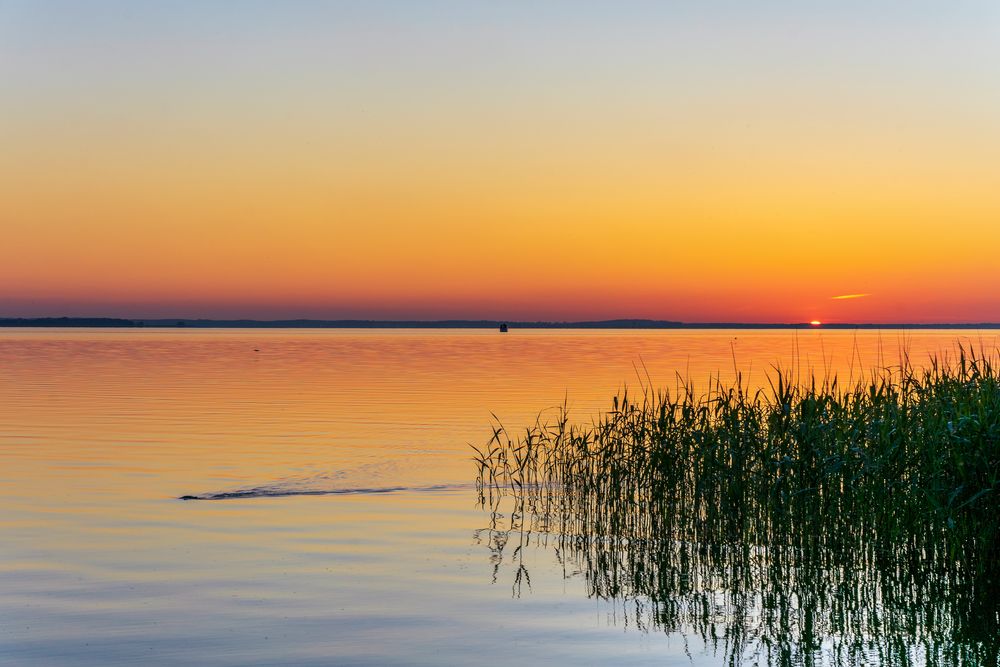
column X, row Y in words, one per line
column 470, row 160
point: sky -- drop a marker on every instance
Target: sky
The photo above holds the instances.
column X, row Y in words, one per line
column 695, row 161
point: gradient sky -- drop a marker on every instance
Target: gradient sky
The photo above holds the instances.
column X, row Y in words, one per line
column 517, row 160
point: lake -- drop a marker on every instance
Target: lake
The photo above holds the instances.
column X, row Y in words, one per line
column 345, row 528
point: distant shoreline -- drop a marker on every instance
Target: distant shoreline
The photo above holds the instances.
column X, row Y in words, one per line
column 117, row 323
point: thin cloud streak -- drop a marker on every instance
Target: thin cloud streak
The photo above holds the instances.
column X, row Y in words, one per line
column 850, row 296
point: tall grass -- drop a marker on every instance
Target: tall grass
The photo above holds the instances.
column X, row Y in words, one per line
column 861, row 506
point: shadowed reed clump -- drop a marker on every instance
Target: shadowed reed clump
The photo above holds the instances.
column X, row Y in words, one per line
column 859, row 522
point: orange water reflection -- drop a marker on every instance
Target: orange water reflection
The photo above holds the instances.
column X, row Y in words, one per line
column 101, row 431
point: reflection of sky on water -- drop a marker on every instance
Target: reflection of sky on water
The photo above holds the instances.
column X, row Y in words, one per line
column 101, row 431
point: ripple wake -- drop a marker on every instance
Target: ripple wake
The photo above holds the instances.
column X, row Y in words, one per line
column 274, row 492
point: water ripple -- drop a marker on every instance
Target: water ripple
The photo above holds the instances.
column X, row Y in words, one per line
column 278, row 491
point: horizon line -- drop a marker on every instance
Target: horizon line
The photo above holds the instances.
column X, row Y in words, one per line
column 362, row 323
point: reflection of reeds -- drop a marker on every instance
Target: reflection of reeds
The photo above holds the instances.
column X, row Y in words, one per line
column 862, row 518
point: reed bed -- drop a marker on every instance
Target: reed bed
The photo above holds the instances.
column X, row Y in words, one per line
column 856, row 509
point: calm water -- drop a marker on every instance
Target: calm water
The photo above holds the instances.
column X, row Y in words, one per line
column 357, row 538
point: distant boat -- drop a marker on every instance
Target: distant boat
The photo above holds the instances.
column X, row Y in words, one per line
column 503, row 327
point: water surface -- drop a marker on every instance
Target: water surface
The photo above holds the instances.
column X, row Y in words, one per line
column 347, row 529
